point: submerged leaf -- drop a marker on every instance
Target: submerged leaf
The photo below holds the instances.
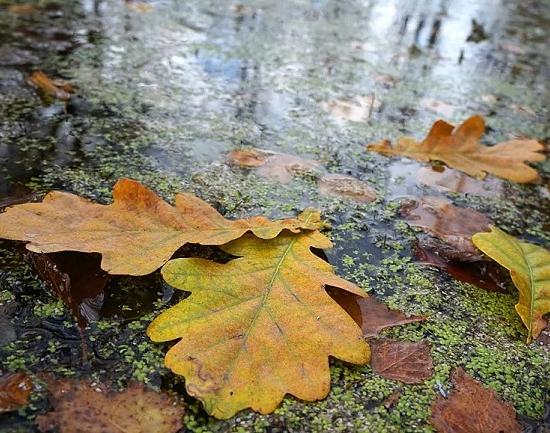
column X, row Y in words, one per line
column 358, row 109
column 529, row 267
column 340, row 185
column 279, row 166
column 80, row 407
column 454, row 181
column 460, row 148
column 77, row 278
column 15, row 389
column 406, row 361
column 473, row 408
column 258, row 327
column 136, row 234
column 451, row 224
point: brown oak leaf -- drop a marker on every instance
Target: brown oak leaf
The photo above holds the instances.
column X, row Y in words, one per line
column 81, row 407
column 473, row 408
column 408, row 362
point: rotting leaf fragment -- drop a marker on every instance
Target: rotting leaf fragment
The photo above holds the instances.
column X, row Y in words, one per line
column 15, row 389
column 369, row 313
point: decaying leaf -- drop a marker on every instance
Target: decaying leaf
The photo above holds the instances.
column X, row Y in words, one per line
column 472, row 408
column 260, row 326
column 451, row 224
column 406, row 361
column 81, row 407
column 529, row 267
column 454, row 181
column 136, row 234
column 438, row 107
column 460, row 148
column 359, row 109
column 15, row 389
column 370, row 314
column 57, row 89
column 77, row 278
column 23, row 9
column 279, row 166
column 487, row 275
column 340, row 185
column 138, row 6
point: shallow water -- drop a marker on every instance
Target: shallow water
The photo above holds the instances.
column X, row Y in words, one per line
column 164, row 94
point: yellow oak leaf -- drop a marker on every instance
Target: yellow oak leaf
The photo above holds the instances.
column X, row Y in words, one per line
column 460, row 148
column 529, row 267
column 136, row 234
column 259, row 326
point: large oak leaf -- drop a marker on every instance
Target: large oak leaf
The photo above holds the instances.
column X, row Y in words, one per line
column 460, row 148
column 529, row 267
column 259, row 326
column 137, row 233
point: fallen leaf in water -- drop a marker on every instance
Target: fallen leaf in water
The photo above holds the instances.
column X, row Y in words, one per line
column 529, row 267
column 438, row 107
column 23, row 9
column 359, row 109
column 472, row 408
column 82, row 407
column 486, row 275
column 258, row 327
column 280, row 166
column 455, row 181
column 57, row 89
column 405, row 361
column 340, row 185
column 15, row 389
column 451, row 224
column 459, row 148
column 369, row 313
column 77, row 278
column 138, row 6
column 136, row 234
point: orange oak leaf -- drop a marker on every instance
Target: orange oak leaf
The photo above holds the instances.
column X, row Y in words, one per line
column 136, row 234
column 80, row 407
column 259, row 326
column 15, row 389
column 473, row 408
column 406, row 361
column 459, row 148
column 57, row 89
